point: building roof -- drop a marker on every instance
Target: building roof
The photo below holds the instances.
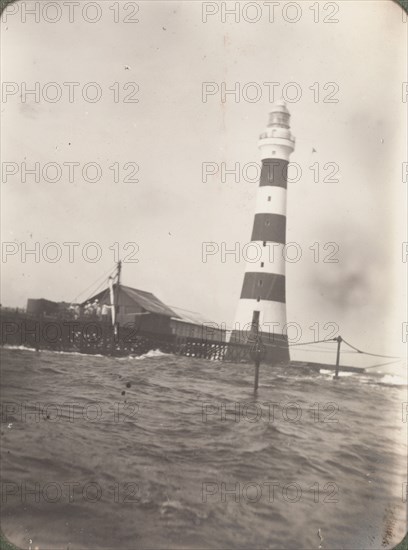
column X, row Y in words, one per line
column 191, row 317
column 146, row 300
column 149, row 302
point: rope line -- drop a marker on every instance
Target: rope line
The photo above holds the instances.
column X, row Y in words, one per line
column 316, row 351
column 314, row 342
column 98, row 287
column 372, row 354
column 383, row 364
column 111, row 270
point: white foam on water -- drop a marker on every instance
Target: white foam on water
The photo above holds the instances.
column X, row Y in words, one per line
column 342, row 374
column 151, row 353
column 156, row 353
column 22, row 348
column 50, row 351
column 73, row 353
column 393, row 379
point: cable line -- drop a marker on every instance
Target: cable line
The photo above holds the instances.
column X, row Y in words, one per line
column 317, row 351
column 314, row 342
column 383, row 364
column 98, row 287
column 372, row 354
column 94, row 283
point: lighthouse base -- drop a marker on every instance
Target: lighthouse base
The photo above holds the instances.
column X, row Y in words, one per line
column 275, row 349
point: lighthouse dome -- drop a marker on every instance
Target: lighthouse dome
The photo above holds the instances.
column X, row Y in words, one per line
column 279, row 116
column 280, row 107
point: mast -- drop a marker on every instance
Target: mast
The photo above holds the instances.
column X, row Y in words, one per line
column 112, row 300
column 119, row 271
column 116, row 304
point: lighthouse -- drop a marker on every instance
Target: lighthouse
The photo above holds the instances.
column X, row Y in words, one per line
column 261, row 310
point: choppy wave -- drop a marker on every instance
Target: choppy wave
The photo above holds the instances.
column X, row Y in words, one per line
column 152, row 354
column 393, row 380
column 21, row 348
column 181, row 449
column 343, row 374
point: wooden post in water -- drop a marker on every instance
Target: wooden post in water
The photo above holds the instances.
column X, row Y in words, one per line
column 114, row 299
column 257, row 363
column 256, row 348
column 258, row 355
column 339, row 341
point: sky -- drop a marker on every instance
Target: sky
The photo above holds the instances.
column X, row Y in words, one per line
column 163, row 60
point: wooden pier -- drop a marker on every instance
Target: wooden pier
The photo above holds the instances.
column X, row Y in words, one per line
column 94, row 337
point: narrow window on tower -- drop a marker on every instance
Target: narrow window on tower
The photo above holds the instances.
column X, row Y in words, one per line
column 264, row 243
column 255, row 321
column 260, row 282
column 262, row 264
column 268, row 223
column 269, row 199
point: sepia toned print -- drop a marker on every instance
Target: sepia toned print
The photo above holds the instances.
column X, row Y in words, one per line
column 203, row 295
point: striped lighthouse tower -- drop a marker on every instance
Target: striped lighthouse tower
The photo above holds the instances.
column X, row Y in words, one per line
column 262, row 306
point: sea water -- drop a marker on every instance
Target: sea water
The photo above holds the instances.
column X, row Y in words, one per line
column 162, row 451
